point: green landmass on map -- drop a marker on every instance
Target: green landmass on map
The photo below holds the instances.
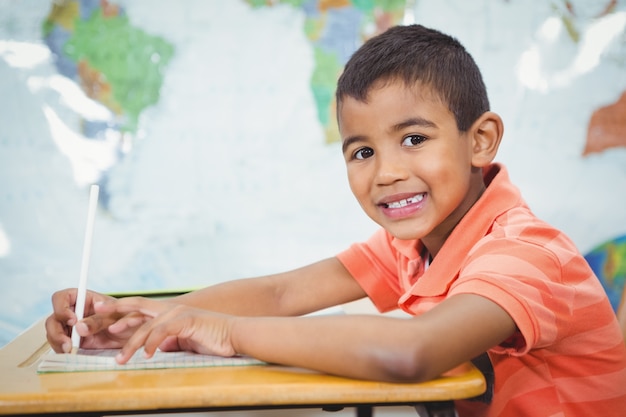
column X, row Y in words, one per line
column 119, row 65
column 378, row 14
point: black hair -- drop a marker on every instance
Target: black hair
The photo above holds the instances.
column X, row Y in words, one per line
column 415, row 54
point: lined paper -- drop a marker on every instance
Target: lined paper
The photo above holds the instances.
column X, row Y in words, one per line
column 86, row 360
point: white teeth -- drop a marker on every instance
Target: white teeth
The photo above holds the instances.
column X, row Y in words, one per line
column 405, row 202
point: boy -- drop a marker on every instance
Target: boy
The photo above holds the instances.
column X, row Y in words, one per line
column 458, row 249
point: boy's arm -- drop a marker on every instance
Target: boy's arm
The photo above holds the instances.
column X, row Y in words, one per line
column 301, row 291
column 364, row 346
column 377, row 347
column 311, row 288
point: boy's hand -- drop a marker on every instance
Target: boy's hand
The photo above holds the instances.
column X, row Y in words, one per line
column 171, row 327
column 94, row 328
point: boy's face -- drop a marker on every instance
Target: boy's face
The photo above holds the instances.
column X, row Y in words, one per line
column 408, row 165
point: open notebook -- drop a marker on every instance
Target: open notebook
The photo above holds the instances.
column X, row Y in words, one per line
column 104, row 360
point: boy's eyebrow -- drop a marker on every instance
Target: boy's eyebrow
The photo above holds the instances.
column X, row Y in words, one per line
column 349, row 141
column 412, row 121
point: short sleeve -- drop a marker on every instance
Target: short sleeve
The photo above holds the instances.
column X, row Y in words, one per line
column 373, row 264
column 526, row 281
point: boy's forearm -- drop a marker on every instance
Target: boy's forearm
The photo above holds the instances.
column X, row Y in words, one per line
column 323, row 284
column 353, row 346
column 378, row 347
column 246, row 297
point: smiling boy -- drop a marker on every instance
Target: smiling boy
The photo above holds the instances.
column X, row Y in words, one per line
column 458, row 249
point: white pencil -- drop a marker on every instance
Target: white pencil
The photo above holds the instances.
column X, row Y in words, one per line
column 81, row 295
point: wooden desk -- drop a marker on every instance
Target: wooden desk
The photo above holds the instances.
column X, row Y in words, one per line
column 23, row 391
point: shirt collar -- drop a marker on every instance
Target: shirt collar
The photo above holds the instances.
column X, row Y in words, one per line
column 500, row 196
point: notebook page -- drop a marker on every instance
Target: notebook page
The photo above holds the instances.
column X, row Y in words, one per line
column 104, row 360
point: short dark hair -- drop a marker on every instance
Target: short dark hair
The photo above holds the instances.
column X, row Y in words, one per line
column 414, row 54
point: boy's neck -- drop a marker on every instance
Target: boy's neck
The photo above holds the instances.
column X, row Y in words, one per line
column 434, row 242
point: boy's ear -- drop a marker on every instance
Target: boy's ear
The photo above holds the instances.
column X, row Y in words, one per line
column 487, row 133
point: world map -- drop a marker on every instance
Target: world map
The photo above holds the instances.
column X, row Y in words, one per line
column 121, row 66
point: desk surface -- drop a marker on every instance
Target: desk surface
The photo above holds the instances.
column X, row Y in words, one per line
column 23, row 391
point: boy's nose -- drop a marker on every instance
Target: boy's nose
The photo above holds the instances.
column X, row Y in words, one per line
column 390, row 170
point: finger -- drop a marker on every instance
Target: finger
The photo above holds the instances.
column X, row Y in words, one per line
column 93, row 298
column 136, row 341
column 57, row 335
column 150, row 335
column 160, row 332
column 128, row 321
column 142, row 305
column 170, row 344
column 62, row 304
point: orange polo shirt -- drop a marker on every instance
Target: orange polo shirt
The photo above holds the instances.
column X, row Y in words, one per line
column 568, row 357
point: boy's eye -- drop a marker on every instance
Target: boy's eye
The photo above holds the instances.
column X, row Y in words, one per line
column 363, row 153
column 413, row 140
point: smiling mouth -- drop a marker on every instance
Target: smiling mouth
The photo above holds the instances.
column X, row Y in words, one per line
column 404, row 202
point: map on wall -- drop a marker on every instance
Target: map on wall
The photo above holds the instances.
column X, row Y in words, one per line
column 121, row 66
column 140, row 97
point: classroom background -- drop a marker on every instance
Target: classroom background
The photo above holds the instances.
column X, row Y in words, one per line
column 209, row 127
